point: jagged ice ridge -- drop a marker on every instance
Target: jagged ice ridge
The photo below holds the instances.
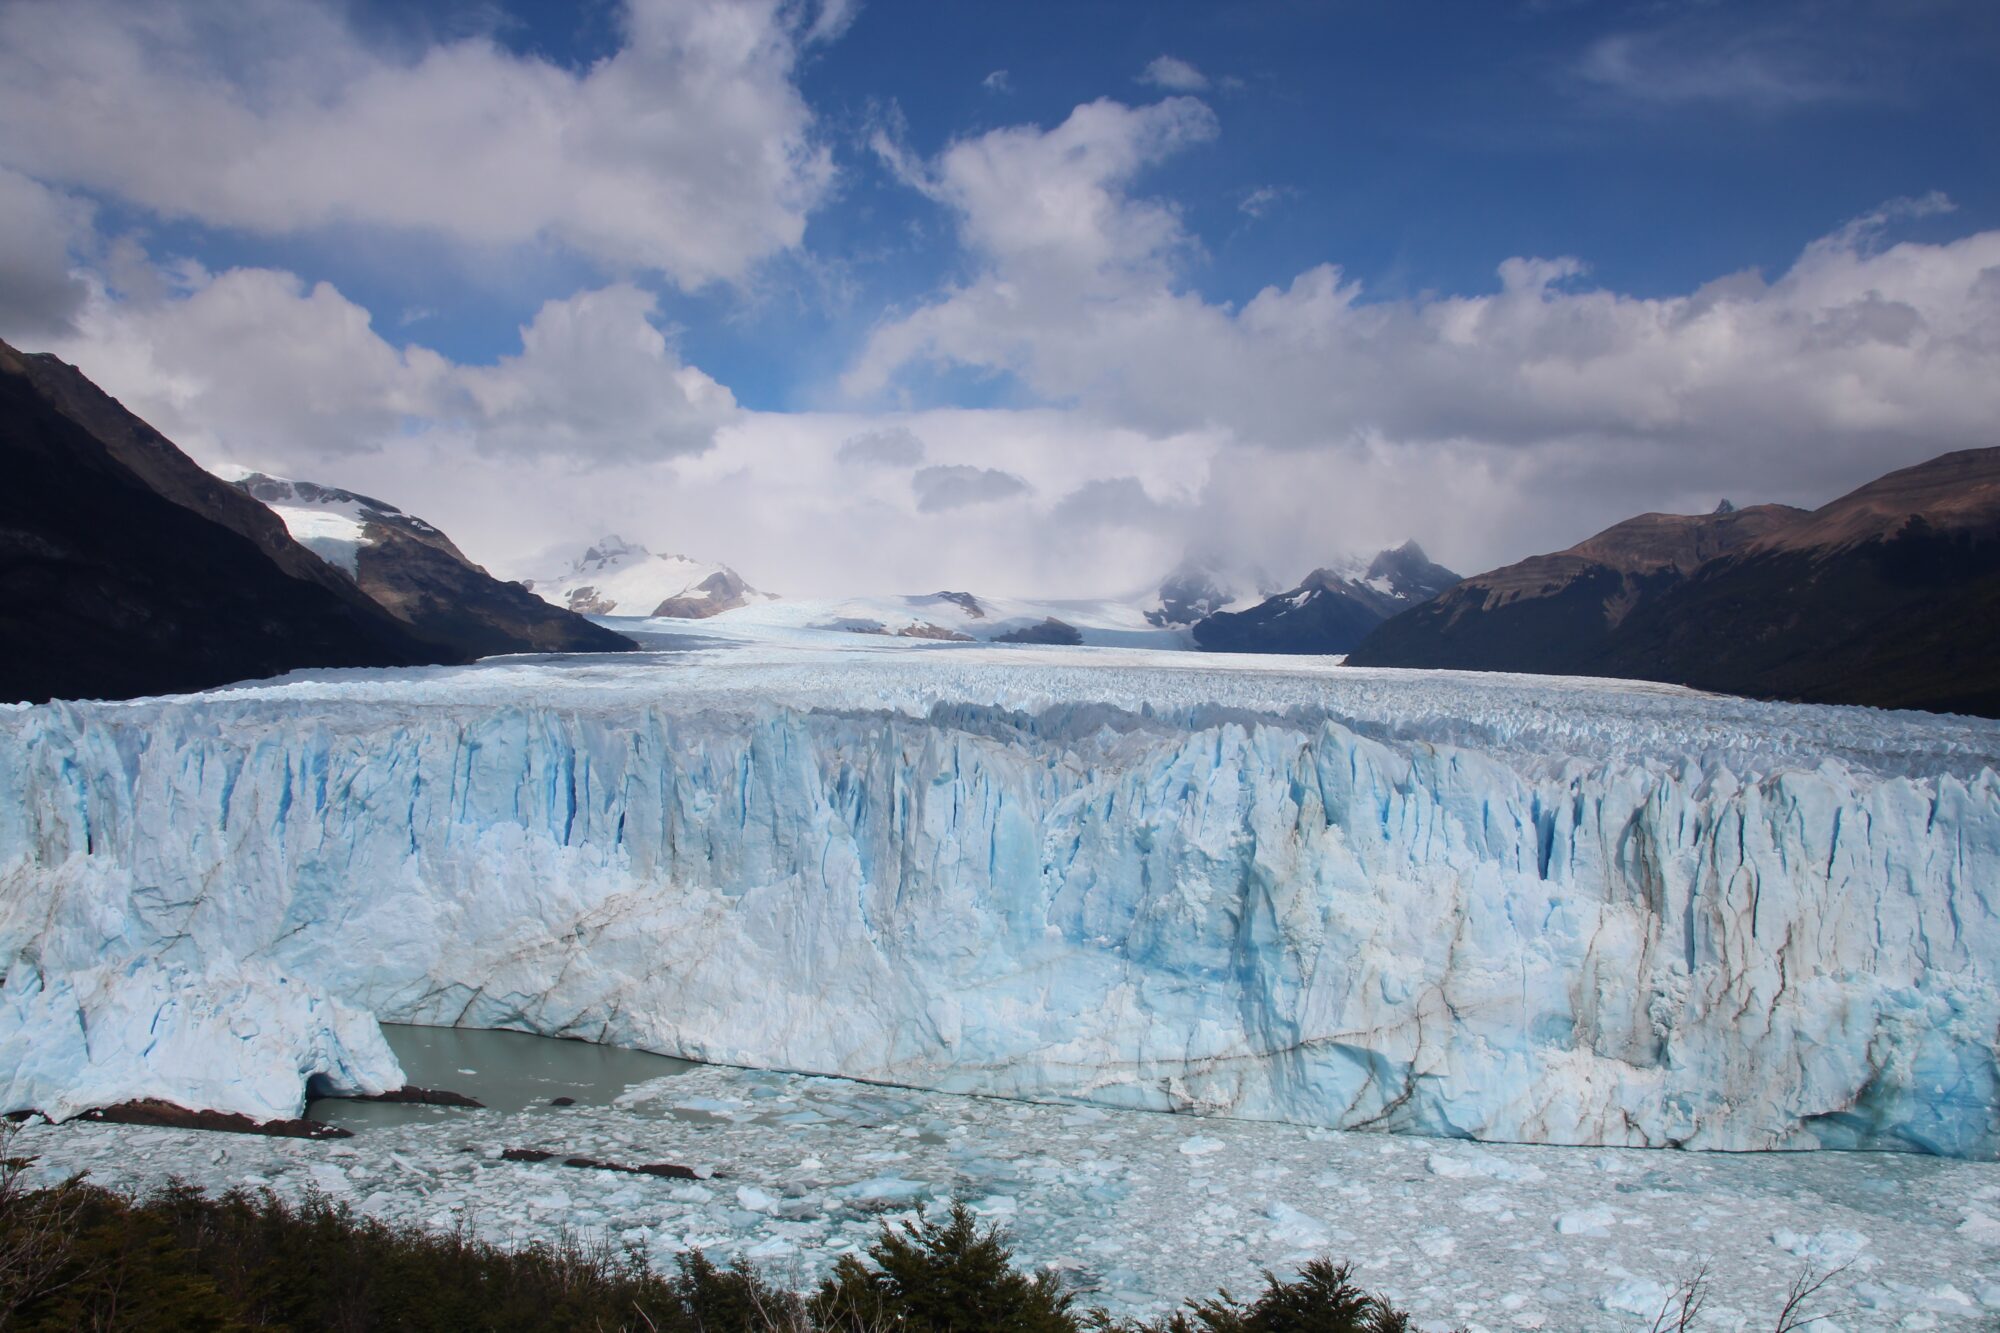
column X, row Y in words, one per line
column 1562, row 912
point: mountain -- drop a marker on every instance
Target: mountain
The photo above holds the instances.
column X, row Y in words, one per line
column 126, row 569
column 1889, row 595
column 1201, row 586
column 619, row 578
column 414, row 572
column 1331, row 611
column 1550, row 612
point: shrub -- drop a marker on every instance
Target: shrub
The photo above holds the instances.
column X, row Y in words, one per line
column 77, row 1257
column 942, row 1277
column 1324, row 1299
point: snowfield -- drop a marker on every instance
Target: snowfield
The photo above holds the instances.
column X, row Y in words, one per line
column 1504, row 908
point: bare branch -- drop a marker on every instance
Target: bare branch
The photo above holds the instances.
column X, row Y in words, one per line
column 1808, row 1284
column 1683, row 1304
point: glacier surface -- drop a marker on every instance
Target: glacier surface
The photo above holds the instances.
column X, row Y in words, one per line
column 1505, row 908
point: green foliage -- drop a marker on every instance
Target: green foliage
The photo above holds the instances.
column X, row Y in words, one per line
column 1324, row 1299
column 943, row 1277
column 181, row 1261
column 78, row 1257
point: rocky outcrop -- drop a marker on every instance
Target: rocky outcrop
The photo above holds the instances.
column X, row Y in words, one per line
column 1049, row 631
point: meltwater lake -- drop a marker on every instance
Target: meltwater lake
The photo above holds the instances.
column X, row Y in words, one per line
column 504, row 1071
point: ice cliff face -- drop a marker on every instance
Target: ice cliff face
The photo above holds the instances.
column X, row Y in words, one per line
column 228, row 1037
column 1437, row 905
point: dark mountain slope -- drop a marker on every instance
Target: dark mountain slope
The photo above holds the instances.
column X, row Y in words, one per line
column 417, row 574
column 111, row 589
column 1888, row 596
column 160, row 466
column 1555, row 613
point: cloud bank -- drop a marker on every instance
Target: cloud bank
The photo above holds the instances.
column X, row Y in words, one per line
column 258, row 367
column 1311, row 419
column 1861, row 355
column 688, row 152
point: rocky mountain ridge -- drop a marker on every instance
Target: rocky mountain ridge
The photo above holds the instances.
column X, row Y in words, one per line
column 417, row 574
column 1331, row 610
column 1889, row 595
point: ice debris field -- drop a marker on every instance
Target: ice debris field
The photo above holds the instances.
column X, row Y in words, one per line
column 1510, row 909
column 1139, row 1211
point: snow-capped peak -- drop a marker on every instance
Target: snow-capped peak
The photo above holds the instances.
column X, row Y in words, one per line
column 616, row 577
column 608, row 549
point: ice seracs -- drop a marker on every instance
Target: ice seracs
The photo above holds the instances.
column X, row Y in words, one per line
column 1548, row 911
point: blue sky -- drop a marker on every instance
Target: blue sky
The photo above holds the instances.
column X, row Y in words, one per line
column 1036, row 235
column 1417, row 145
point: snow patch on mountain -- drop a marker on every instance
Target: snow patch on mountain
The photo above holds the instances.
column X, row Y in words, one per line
column 335, row 537
column 614, row 577
column 331, row 523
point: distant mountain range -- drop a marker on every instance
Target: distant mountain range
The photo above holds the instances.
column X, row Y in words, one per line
column 418, row 575
column 1889, row 595
column 615, row 577
column 1330, row 611
column 962, row 617
column 126, row 569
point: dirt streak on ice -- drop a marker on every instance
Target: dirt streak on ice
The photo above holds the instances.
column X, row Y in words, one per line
column 1141, row 1210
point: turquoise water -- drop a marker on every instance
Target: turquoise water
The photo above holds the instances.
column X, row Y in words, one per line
column 508, row 1071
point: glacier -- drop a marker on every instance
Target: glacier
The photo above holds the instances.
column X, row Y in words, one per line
column 234, row 1037
column 1501, row 908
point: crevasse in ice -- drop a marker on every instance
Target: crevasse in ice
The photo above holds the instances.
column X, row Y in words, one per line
column 1548, row 912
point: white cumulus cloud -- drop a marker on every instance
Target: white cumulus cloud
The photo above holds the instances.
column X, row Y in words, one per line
column 890, row 446
column 1173, row 74
column 39, row 295
column 956, row 485
column 259, row 367
column 689, row 151
column 1860, row 356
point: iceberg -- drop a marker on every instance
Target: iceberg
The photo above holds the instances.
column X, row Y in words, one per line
column 1489, row 907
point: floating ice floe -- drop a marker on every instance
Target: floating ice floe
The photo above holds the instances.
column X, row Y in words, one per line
column 1107, row 1200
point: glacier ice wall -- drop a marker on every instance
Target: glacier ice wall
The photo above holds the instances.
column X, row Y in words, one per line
column 240, row 1038
column 1329, row 918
